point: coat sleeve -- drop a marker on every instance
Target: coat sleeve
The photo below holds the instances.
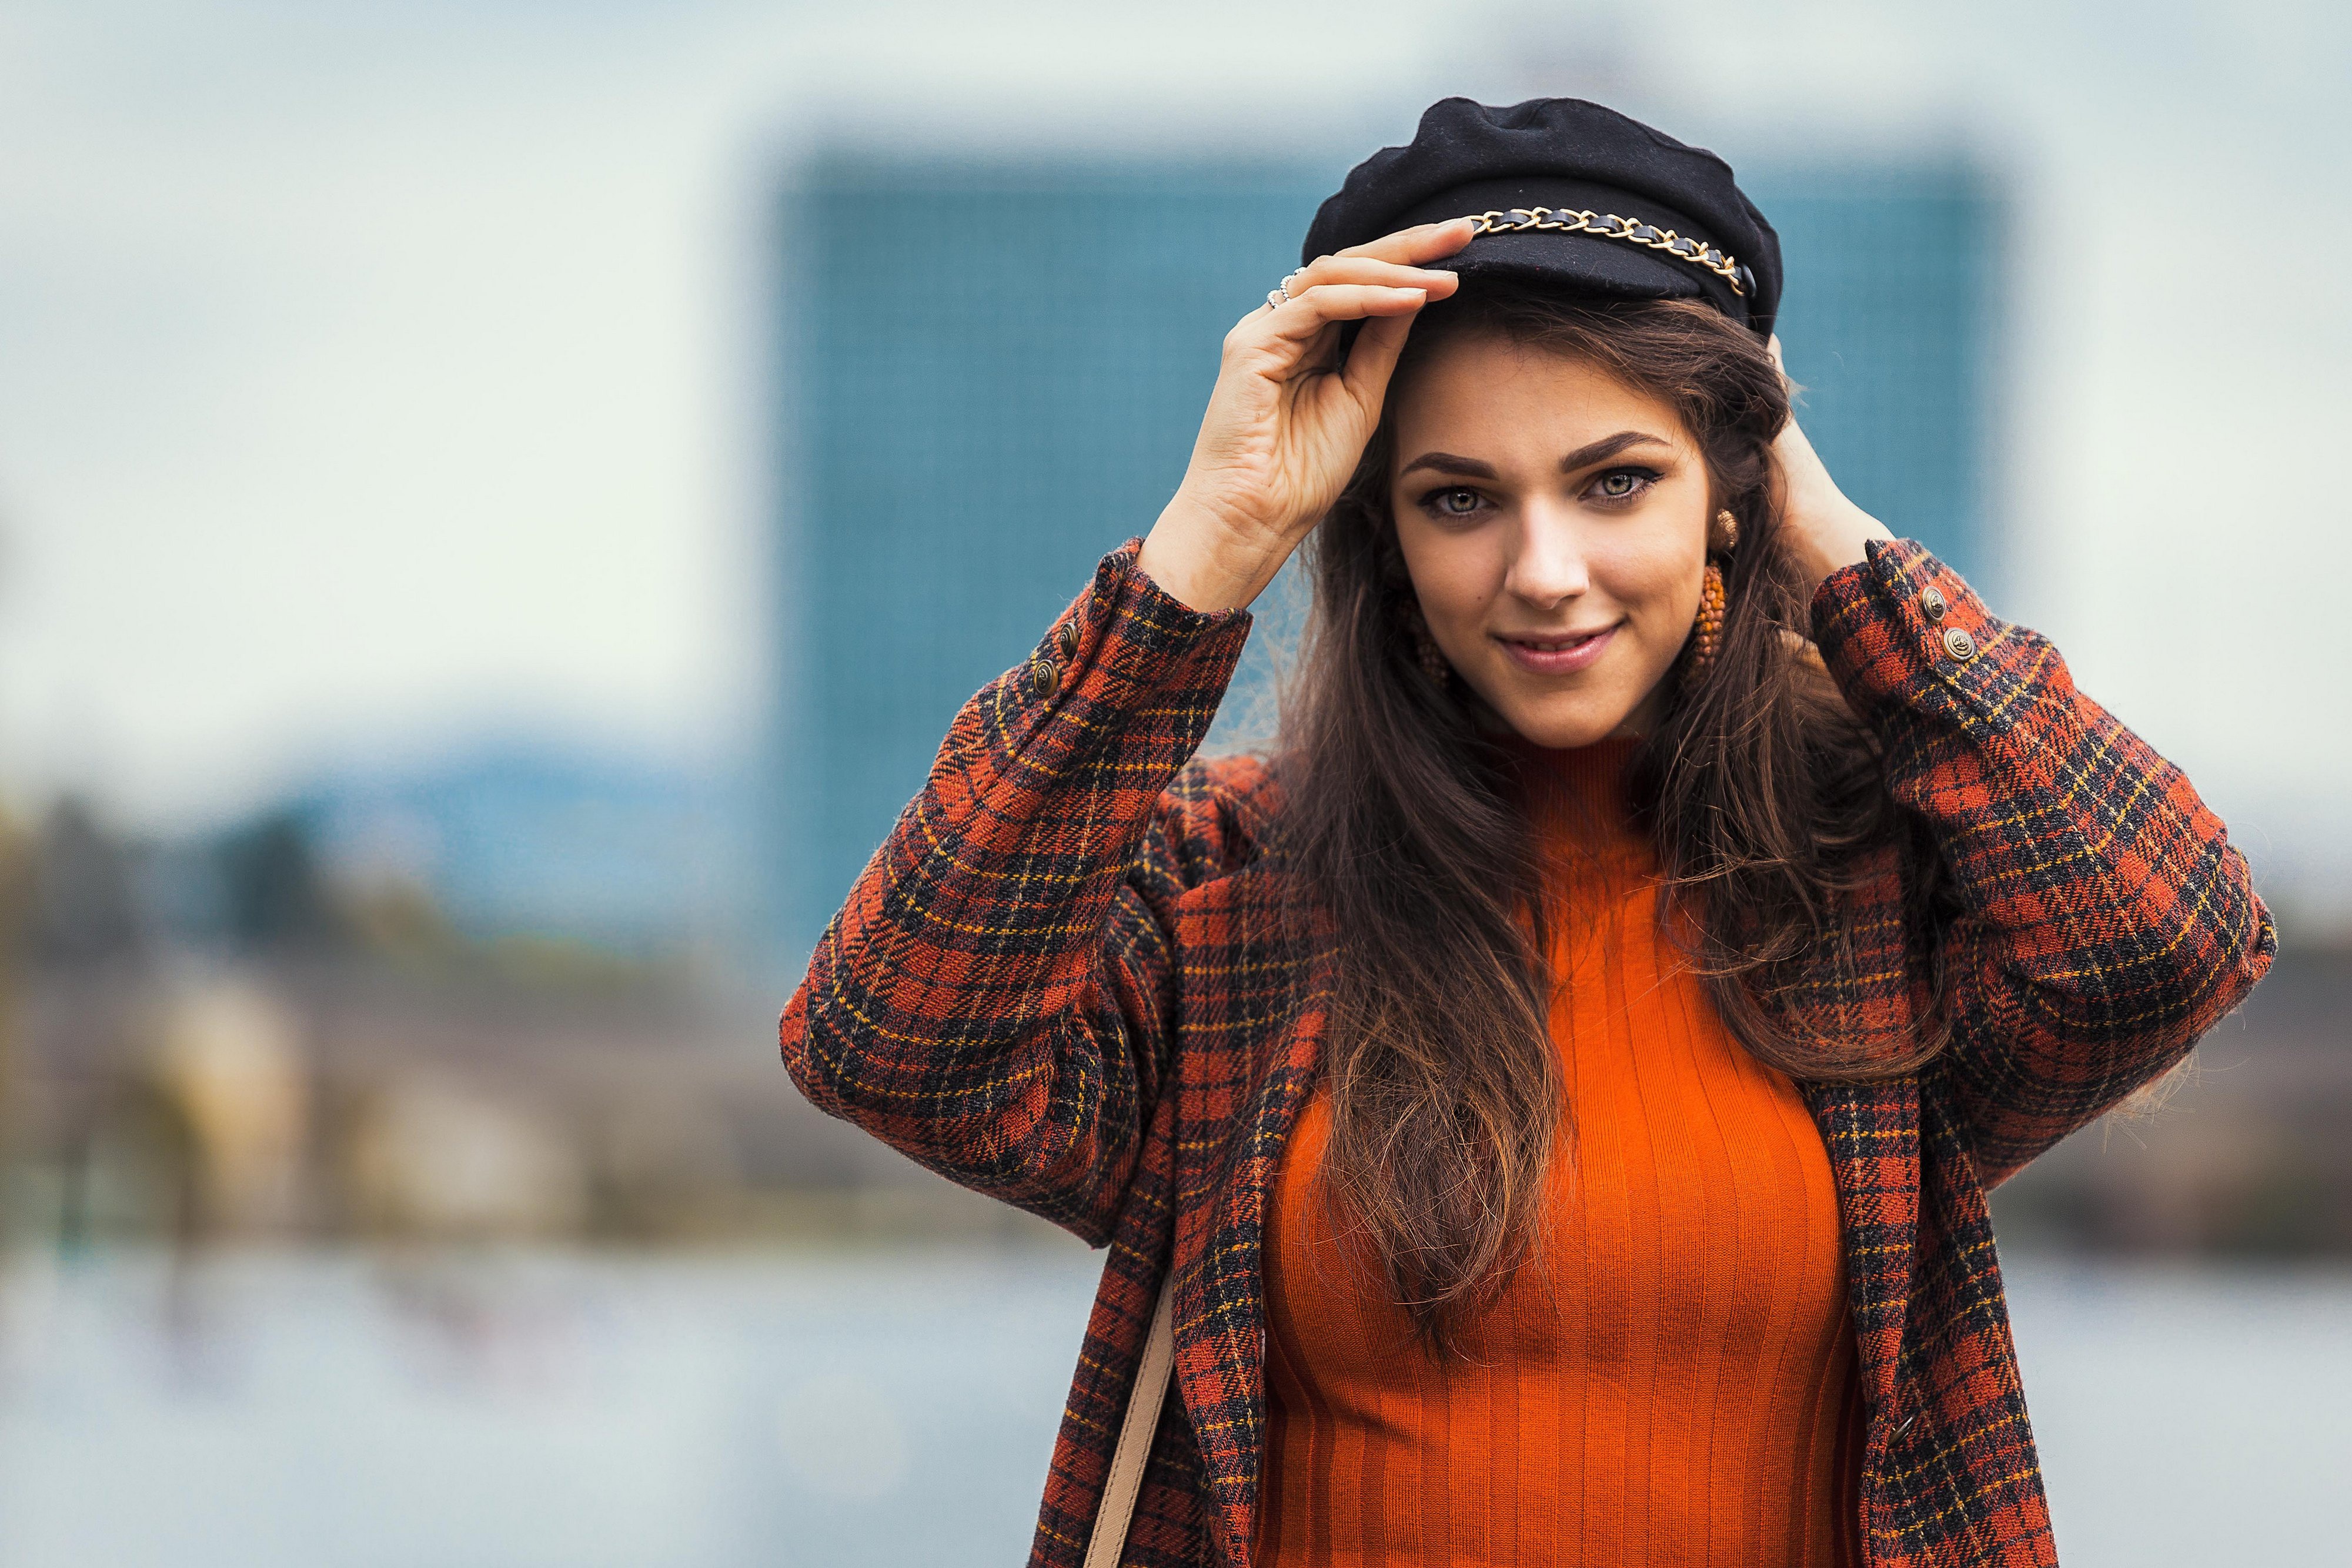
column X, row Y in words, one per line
column 993, row 998
column 2105, row 920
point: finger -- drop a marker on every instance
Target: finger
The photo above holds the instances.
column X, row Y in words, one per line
column 1307, row 314
column 1417, row 245
column 1331, row 269
column 1373, row 359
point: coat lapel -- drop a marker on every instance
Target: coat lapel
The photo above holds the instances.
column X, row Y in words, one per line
column 1871, row 1132
column 1245, row 1070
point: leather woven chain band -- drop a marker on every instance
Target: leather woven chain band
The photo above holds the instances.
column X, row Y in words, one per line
column 1609, row 226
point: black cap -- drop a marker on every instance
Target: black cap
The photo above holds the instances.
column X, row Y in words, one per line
column 1581, row 196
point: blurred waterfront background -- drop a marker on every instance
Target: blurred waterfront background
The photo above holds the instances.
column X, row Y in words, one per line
column 498, row 502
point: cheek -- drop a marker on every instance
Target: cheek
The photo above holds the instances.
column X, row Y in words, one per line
column 1660, row 593
column 1659, row 588
column 1455, row 575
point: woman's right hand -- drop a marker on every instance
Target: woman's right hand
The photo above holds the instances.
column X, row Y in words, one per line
column 1285, row 428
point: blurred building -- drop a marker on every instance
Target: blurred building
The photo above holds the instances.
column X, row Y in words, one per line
column 1892, row 323
column 535, row 841
column 990, row 373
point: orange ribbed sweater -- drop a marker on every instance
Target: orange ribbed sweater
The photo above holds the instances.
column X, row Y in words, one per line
column 1673, row 1383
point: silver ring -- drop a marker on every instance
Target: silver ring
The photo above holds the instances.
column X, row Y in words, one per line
column 1276, row 297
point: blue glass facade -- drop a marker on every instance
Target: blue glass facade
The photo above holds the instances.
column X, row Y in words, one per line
column 992, row 374
column 1890, row 323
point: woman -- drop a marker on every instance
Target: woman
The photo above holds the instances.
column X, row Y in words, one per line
column 1557, row 1093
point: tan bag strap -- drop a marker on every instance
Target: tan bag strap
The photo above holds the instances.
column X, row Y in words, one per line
column 1143, row 1401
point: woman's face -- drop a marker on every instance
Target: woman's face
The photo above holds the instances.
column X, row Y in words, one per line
column 1555, row 522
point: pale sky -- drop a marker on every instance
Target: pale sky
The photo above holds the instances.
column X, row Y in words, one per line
column 375, row 374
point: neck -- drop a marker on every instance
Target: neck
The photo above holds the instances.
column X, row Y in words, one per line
column 1576, row 799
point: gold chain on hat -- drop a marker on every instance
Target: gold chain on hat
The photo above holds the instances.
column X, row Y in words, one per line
column 1609, row 226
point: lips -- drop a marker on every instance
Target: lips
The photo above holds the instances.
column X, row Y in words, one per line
column 1558, row 653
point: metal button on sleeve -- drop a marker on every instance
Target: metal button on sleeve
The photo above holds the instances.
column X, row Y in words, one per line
column 1931, row 601
column 1044, row 676
column 1959, row 644
column 1068, row 637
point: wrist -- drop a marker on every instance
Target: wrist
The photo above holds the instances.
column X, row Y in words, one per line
column 1827, row 543
column 1201, row 559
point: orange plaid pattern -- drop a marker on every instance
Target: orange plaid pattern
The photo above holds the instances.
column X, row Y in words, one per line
column 1066, row 981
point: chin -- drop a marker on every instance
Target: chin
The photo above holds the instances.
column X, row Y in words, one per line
column 1564, row 727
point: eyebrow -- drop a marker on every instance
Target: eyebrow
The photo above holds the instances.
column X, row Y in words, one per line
column 1584, row 457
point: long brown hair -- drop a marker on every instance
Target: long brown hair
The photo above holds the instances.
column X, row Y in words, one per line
column 1762, row 791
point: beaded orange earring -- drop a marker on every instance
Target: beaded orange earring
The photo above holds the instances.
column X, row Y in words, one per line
column 1707, row 627
column 1707, row 630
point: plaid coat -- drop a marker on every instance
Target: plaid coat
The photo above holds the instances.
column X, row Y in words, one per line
column 1063, row 981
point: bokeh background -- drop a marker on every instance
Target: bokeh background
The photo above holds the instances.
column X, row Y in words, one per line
column 499, row 500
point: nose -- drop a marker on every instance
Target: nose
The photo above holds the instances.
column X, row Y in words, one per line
column 1547, row 564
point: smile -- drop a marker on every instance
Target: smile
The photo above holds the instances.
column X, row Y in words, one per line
column 1558, row 653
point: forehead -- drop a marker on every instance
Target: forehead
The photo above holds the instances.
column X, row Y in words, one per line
column 1517, row 400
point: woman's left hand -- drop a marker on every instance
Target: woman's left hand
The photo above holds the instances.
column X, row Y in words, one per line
column 1821, row 528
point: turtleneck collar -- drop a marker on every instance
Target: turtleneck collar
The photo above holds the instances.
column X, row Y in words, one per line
column 1577, row 801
